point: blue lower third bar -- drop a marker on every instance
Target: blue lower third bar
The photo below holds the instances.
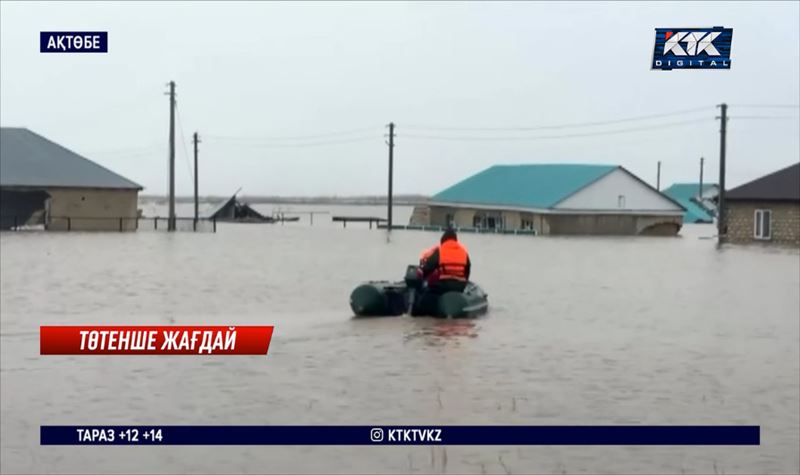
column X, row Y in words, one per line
column 400, row 435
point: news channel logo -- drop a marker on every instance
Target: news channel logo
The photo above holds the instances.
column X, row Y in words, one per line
column 73, row 42
column 692, row 48
column 376, row 434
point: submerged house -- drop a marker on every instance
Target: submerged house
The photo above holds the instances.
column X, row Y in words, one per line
column 44, row 183
column 555, row 199
column 765, row 210
column 700, row 201
column 236, row 211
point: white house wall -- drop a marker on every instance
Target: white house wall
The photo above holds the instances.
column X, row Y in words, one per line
column 604, row 194
column 710, row 192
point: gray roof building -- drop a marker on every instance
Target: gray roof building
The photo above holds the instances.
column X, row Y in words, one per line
column 782, row 185
column 765, row 210
column 29, row 160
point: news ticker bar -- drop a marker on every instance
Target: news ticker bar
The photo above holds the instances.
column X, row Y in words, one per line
column 400, row 435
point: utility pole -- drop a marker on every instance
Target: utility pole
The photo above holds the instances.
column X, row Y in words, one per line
column 722, row 225
column 196, row 202
column 391, row 169
column 171, row 223
column 658, row 176
column 700, row 191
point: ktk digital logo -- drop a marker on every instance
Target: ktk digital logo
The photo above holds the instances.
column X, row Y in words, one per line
column 692, row 48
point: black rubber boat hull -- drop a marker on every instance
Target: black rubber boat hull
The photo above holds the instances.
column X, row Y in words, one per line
column 380, row 298
column 383, row 298
column 472, row 302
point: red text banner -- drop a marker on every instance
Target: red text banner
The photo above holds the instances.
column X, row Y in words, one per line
column 154, row 340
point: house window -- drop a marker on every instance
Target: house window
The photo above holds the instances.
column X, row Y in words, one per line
column 476, row 221
column 762, row 224
column 621, row 201
column 490, row 222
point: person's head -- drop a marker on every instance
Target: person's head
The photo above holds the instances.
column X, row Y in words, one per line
column 449, row 234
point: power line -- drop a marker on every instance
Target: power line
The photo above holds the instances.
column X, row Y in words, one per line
column 766, row 117
column 565, row 126
column 128, row 150
column 128, row 156
column 587, row 134
column 769, row 106
column 183, row 140
column 307, row 144
column 294, row 137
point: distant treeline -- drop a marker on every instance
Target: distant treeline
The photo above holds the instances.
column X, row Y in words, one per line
column 339, row 200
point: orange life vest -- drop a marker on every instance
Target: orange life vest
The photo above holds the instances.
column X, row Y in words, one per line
column 452, row 260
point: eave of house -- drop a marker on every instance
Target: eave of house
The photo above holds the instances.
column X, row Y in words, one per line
column 553, row 211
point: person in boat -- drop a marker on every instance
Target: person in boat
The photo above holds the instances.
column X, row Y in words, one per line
column 449, row 263
column 423, row 258
column 426, row 254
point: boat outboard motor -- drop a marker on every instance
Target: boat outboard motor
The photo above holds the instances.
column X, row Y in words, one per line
column 414, row 283
column 413, row 277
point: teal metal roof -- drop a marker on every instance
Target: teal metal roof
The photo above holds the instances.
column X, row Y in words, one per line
column 528, row 186
column 694, row 212
column 683, row 194
column 687, row 190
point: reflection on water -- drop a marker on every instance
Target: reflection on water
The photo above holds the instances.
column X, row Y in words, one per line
column 579, row 331
column 436, row 332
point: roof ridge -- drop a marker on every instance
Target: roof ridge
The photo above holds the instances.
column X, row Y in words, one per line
column 31, row 159
column 92, row 162
column 781, row 184
column 533, row 185
column 768, row 175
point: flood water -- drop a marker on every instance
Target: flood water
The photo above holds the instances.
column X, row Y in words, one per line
column 580, row 331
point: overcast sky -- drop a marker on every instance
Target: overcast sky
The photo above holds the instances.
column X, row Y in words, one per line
column 250, row 72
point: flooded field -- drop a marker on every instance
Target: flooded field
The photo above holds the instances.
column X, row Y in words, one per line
column 307, row 214
column 580, row 331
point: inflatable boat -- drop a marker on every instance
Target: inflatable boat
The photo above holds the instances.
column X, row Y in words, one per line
column 410, row 296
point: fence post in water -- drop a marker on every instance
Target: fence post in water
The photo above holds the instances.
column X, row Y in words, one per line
column 215, row 223
column 312, row 219
column 196, row 198
column 155, row 223
column 194, row 225
column 16, row 228
column 391, row 169
column 69, row 224
column 120, row 224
